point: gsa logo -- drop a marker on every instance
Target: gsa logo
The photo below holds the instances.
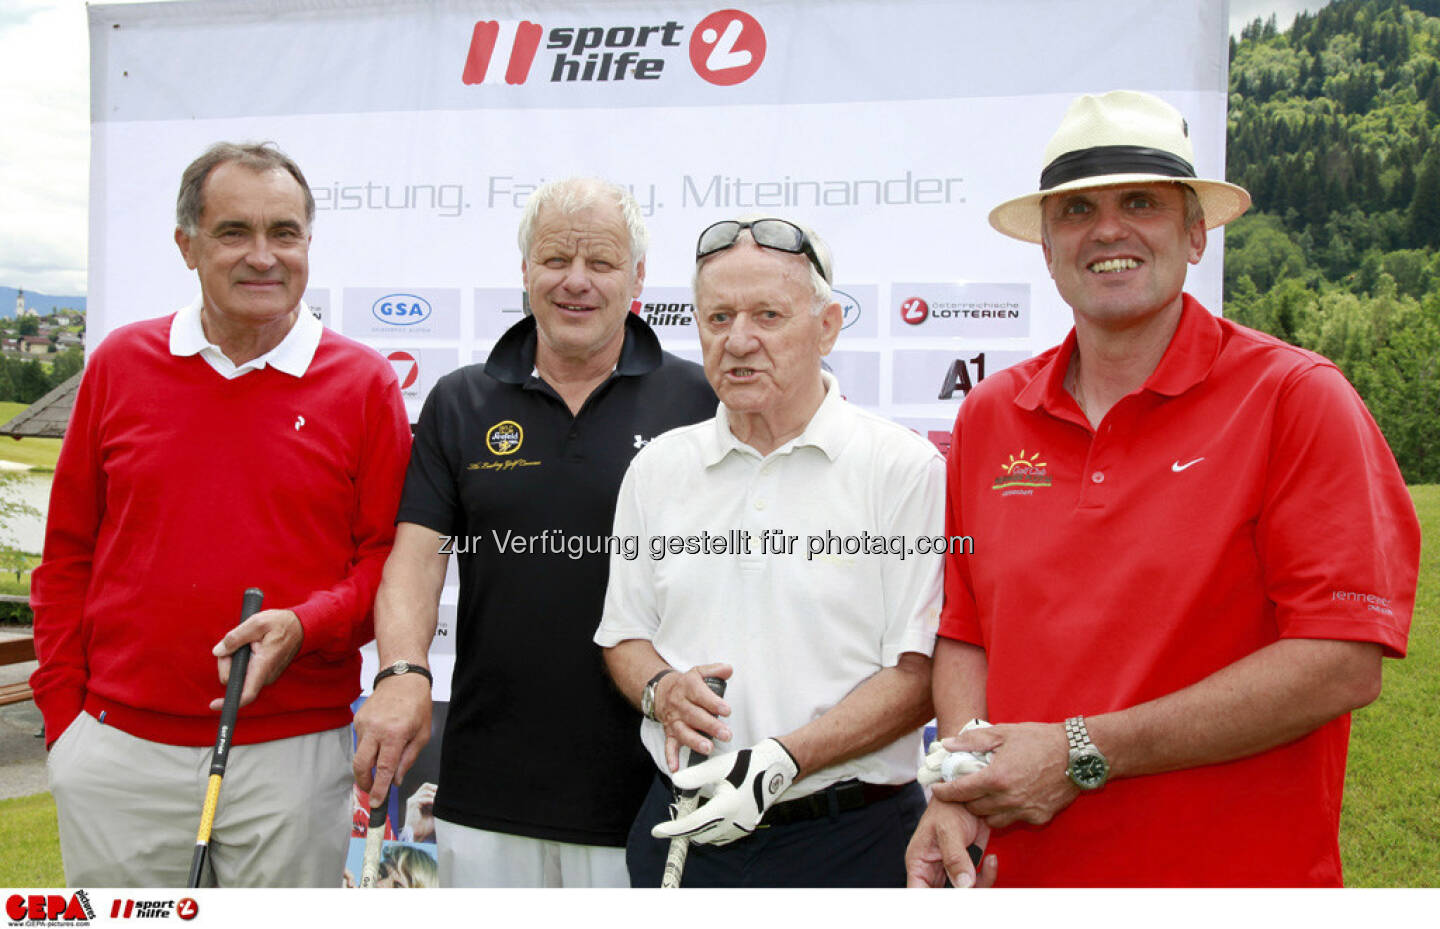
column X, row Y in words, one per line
column 401, row 309
column 849, row 306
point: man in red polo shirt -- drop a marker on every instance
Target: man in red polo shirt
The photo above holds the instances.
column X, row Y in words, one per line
column 1193, row 548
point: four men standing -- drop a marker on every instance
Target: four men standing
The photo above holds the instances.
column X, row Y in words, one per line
column 1170, row 694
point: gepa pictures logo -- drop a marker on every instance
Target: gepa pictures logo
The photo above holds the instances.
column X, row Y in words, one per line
column 725, row 48
column 37, row 909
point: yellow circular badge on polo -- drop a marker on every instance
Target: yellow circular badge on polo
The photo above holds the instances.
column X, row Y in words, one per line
column 504, row 437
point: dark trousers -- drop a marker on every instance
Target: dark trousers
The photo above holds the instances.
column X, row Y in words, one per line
column 858, row 848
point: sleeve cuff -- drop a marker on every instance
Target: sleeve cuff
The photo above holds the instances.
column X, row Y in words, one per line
column 59, row 711
column 322, row 633
column 919, row 641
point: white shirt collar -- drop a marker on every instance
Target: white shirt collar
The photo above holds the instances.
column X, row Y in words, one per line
column 292, row 356
column 826, row 429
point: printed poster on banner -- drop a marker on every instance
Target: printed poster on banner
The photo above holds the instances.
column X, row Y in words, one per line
column 318, row 300
column 670, row 311
column 407, row 313
column 932, row 376
column 496, row 310
column 425, row 142
column 858, row 374
column 938, row 431
column 973, row 311
column 860, row 311
column 417, row 368
column 725, row 48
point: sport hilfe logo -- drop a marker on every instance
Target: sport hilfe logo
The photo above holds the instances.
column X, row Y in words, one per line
column 726, row 48
column 185, row 908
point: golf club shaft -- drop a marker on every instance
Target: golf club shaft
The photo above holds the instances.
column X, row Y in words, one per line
column 686, row 804
column 374, row 839
column 239, row 662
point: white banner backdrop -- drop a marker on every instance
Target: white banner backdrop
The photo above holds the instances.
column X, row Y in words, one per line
column 890, row 127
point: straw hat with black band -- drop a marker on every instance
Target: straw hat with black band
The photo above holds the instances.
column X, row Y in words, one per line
column 1112, row 140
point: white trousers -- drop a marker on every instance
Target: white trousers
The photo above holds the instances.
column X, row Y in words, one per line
column 479, row 858
column 129, row 809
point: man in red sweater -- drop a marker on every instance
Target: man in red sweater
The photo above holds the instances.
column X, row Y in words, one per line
column 235, row 443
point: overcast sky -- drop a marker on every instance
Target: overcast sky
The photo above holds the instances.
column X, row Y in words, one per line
column 45, row 142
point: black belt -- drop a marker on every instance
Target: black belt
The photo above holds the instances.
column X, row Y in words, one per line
column 833, row 800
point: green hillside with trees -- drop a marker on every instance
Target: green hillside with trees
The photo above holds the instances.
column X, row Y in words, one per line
column 1334, row 128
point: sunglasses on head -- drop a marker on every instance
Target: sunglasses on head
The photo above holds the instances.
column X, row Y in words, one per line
column 778, row 234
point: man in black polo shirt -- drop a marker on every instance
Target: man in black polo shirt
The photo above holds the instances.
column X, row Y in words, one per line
column 515, row 468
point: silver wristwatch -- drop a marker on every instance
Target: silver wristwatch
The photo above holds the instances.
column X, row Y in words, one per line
column 1088, row 769
column 647, row 696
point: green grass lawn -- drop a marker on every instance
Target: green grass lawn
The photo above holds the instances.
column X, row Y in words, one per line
column 10, row 584
column 31, row 848
column 1390, row 827
column 40, row 454
column 1389, row 830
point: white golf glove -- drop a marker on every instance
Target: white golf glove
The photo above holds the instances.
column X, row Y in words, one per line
column 744, row 784
column 941, row 764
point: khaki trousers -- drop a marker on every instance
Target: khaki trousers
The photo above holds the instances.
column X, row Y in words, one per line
column 129, row 809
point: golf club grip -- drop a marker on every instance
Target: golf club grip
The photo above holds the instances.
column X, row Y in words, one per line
column 374, row 840
column 239, row 662
column 684, row 806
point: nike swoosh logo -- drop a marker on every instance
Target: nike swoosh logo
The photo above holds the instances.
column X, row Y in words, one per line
column 1177, row 467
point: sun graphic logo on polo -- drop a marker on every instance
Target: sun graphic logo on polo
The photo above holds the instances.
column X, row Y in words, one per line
column 1021, row 475
column 504, row 437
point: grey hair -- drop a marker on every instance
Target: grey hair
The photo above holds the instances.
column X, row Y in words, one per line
column 824, row 296
column 570, row 195
column 258, row 157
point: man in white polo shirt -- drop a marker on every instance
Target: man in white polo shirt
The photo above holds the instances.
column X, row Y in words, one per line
column 778, row 551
